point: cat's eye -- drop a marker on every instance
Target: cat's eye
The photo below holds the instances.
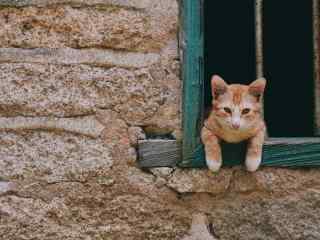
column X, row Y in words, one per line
column 227, row 110
column 245, row 111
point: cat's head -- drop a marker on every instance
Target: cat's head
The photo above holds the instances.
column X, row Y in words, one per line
column 237, row 106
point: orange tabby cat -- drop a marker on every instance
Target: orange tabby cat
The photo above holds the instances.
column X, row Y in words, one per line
column 235, row 117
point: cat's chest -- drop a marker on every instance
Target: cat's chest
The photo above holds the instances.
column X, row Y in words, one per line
column 227, row 134
column 234, row 136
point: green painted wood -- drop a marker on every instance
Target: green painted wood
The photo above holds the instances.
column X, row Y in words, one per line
column 277, row 152
column 191, row 44
column 292, row 152
column 232, row 154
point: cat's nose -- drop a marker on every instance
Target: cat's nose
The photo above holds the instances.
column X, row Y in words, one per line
column 236, row 125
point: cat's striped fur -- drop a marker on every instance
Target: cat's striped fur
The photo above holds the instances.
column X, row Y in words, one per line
column 236, row 115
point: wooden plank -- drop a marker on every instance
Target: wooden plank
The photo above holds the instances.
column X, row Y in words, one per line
column 159, row 153
column 191, row 45
column 278, row 152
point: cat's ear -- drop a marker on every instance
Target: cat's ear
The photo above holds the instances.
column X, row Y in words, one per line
column 256, row 88
column 218, row 86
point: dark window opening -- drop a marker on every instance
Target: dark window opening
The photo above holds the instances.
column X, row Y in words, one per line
column 288, row 58
column 229, row 42
column 288, row 67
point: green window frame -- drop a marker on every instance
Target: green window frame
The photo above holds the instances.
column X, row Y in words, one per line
column 189, row 153
column 192, row 45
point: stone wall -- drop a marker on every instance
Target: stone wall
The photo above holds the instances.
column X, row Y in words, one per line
column 80, row 83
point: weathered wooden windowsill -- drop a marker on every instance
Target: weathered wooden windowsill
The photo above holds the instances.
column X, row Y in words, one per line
column 281, row 152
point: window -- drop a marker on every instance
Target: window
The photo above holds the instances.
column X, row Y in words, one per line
column 242, row 40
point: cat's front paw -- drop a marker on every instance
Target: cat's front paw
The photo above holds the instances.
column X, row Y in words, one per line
column 214, row 165
column 252, row 164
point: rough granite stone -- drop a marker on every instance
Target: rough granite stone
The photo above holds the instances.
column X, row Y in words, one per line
column 136, row 134
column 87, row 126
column 68, row 56
column 163, row 172
column 167, row 71
column 51, row 157
column 63, row 91
column 68, row 91
column 199, row 229
column 200, row 181
column 112, row 27
column 80, row 83
column 257, row 216
column 76, row 213
column 138, row 4
column 6, row 187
